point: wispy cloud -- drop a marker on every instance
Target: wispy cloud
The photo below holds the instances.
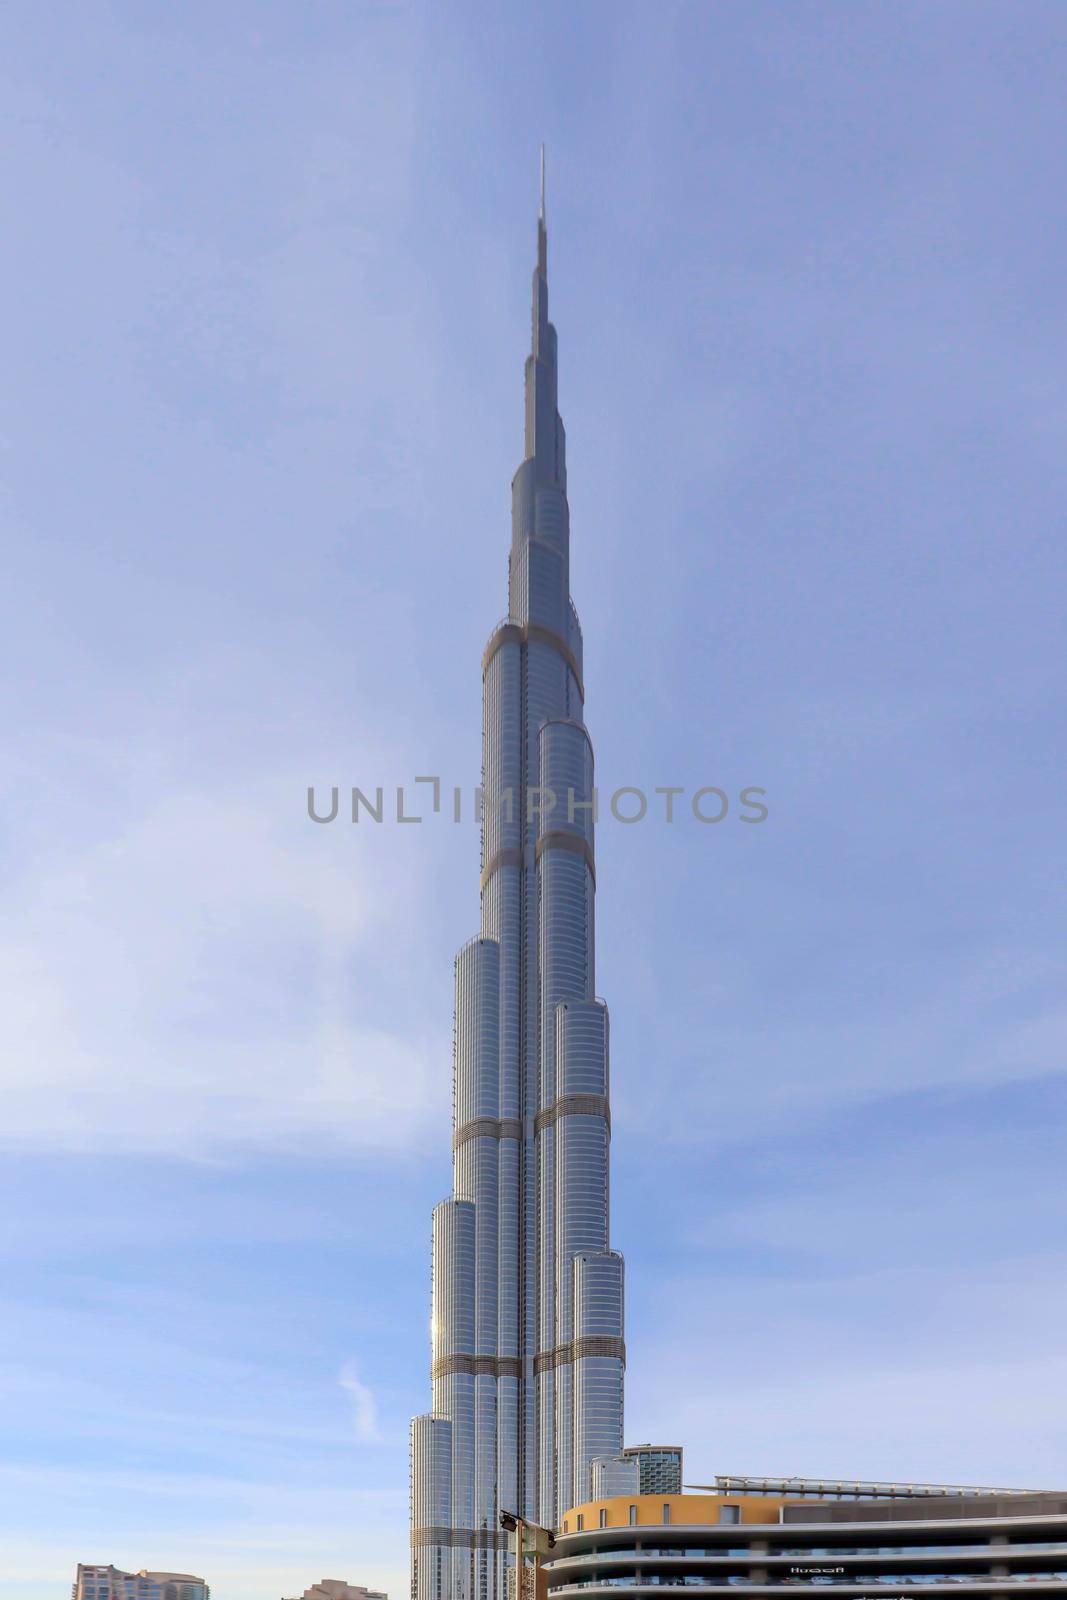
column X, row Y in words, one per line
column 364, row 1405
column 206, row 979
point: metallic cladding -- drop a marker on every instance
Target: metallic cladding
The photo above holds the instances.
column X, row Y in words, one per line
column 527, row 1322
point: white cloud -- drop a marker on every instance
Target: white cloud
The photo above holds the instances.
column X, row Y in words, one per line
column 218, row 973
column 364, row 1405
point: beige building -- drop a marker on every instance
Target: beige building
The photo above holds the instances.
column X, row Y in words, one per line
column 337, row 1589
column 112, row 1583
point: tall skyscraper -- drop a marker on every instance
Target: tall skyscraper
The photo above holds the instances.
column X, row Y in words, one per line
column 527, row 1295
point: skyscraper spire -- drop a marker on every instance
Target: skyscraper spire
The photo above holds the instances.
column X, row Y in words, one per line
column 527, row 1321
column 543, row 237
column 542, row 181
column 544, row 427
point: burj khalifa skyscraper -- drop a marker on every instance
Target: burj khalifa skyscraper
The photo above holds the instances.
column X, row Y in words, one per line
column 527, row 1295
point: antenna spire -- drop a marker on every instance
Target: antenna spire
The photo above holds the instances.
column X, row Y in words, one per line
column 542, row 235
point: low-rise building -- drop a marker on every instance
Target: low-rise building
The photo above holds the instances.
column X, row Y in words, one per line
column 614, row 1475
column 112, row 1583
column 337, row 1589
column 659, row 1467
column 638, row 1469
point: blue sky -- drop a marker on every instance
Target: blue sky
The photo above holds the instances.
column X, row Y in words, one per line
column 267, row 302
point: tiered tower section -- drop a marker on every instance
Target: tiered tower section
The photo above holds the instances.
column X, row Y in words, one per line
column 527, row 1327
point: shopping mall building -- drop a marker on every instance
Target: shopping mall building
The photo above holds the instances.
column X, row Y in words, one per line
column 861, row 1539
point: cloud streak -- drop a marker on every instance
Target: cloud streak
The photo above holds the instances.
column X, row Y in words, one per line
column 192, row 985
column 364, row 1405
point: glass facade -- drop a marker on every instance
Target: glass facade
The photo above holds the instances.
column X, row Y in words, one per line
column 659, row 1467
column 527, row 1324
column 615, row 1475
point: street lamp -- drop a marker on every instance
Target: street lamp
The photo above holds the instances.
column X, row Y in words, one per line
column 527, row 1542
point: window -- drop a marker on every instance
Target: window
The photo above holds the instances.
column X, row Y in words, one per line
column 666, row 1514
column 579, row 1522
column 729, row 1513
column 603, row 1519
column 633, row 1516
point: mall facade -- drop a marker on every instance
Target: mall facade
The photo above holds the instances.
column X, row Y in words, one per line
column 758, row 1536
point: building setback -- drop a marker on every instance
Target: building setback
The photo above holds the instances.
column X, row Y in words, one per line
column 527, row 1295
